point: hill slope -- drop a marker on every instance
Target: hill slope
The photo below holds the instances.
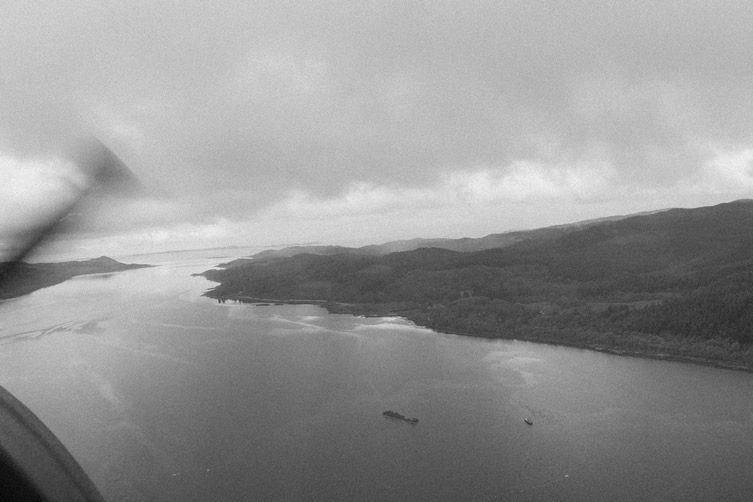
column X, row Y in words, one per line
column 677, row 283
column 465, row 244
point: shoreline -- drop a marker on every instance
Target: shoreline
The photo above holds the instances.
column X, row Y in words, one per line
column 360, row 310
column 26, row 278
column 658, row 356
column 254, row 299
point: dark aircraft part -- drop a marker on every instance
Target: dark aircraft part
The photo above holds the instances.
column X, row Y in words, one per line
column 34, row 464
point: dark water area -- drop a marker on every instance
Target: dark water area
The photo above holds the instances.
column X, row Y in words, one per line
column 162, row 394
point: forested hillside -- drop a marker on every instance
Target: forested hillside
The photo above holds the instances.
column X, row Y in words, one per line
column 676, row 283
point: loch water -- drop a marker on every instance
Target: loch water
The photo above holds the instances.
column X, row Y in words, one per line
column 163, row 394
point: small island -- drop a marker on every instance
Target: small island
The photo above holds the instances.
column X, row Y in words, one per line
column 394, row 414
column 22, row 278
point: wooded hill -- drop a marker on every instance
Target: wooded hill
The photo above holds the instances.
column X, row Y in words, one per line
column 678, row 283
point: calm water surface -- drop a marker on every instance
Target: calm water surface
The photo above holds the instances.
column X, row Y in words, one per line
column 162, row 394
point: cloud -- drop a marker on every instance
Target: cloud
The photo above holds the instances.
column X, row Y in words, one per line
column 728, row 171
column 239, row 109
column 31, row 186
column 520, row 183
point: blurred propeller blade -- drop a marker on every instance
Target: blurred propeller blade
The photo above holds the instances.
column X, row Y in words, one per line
column 105, row 176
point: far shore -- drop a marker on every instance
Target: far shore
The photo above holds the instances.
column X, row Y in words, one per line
column 20, row 278
column 369, row 311
column 252, row 299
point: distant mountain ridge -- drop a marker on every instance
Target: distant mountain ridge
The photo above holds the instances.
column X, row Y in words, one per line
column 463, row 244
column 676, row 283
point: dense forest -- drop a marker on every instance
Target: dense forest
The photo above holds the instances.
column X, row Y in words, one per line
column 678, row 283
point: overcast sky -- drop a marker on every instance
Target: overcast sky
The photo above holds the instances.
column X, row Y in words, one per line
column 359, row 122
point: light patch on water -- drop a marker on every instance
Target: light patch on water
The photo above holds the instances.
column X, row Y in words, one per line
column 103, row 386
column 389, row 326
column 239, row 311
column 512, row 357
column 178, row 326
column 523, row 361
column 308, row 327
column 509, row 358
column 391, row 319
column 281, row 332
column 305, row 324
column 510, row 367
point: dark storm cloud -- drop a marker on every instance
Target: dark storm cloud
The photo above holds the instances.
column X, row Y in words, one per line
column 233, row 104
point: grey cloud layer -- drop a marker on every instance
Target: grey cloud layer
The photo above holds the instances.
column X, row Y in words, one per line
column 206, row 97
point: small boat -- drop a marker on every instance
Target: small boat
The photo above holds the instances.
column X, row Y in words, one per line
column 394, row 414
column 528, row 421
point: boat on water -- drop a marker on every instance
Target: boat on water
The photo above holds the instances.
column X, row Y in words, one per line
column 528, row 421
column 394, row 414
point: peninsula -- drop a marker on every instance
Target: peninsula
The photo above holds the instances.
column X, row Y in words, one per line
column 673, row 284
column 17, row 279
